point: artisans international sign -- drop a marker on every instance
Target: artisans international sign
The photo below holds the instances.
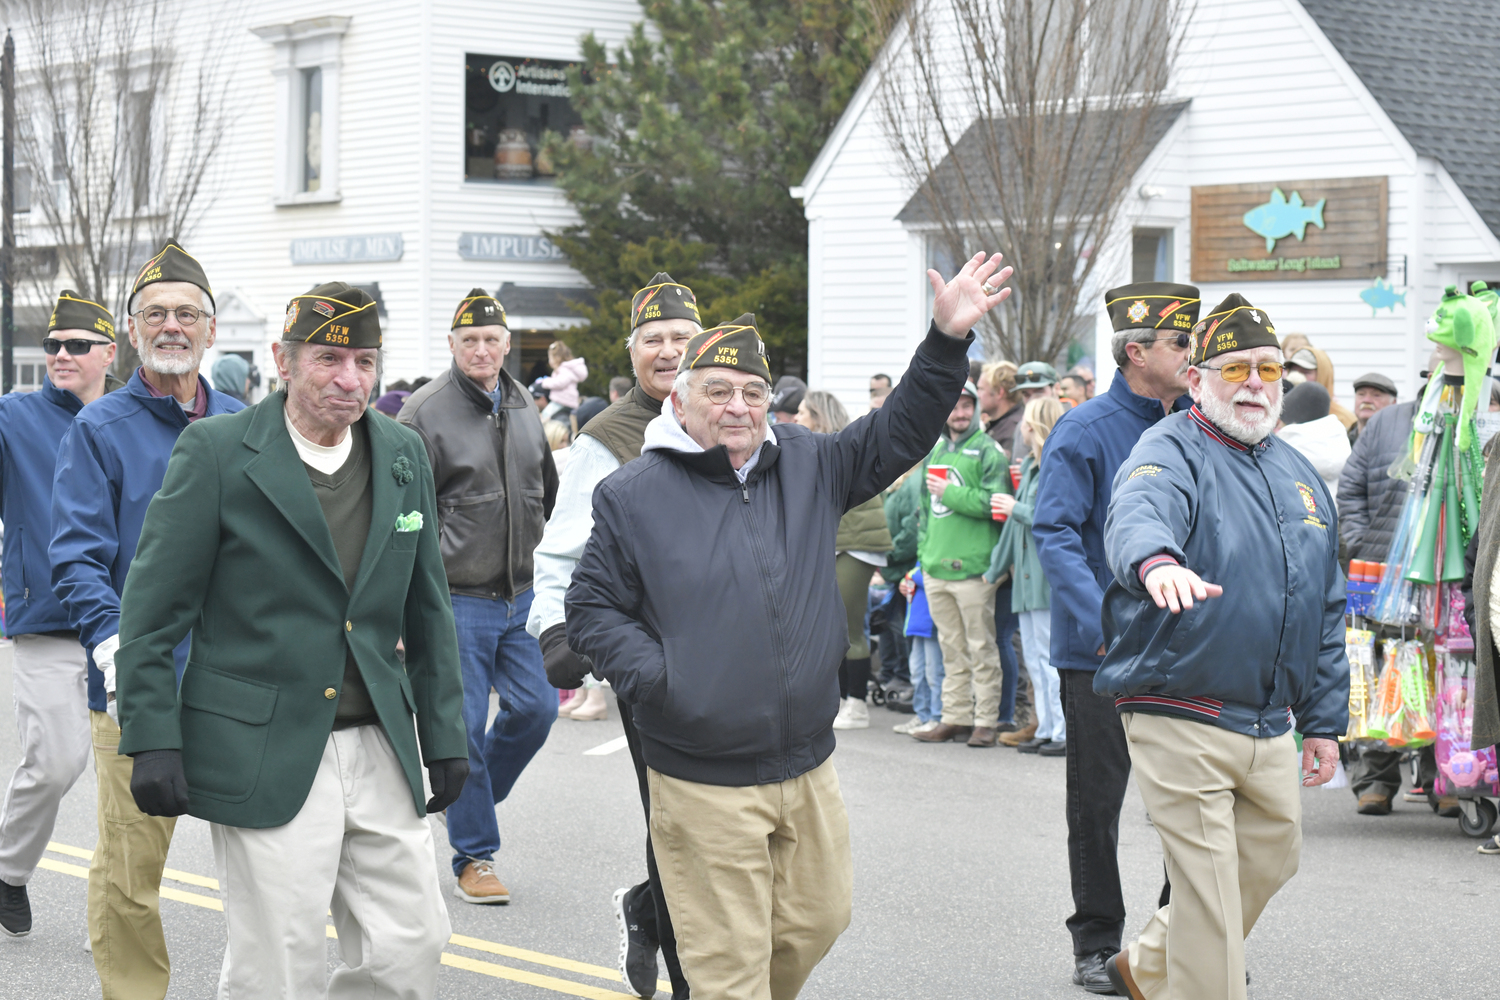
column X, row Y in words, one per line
column 507, row 246
column 1291, row 230
column 347, row 249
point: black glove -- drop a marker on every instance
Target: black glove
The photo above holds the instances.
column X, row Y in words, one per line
column 157, row 783
column 565, row 668
column 447, row 778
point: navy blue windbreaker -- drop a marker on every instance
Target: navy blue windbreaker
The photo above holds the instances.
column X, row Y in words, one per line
column 1259, row 522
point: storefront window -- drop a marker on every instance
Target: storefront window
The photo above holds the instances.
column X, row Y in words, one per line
column 1151, row 255
column 510, row 103
column 312, row 128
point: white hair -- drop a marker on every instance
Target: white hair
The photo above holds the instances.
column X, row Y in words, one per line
column 630, row 340
column 208, row 301
column 1142, row 335
column 682, row 383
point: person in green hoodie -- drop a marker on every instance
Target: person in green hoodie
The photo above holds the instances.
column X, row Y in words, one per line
column 957, row 534
column 1031, row 595
column 862, row 543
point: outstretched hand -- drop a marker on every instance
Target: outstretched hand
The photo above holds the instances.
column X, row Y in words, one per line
column 1176, row 587
column 957, row 305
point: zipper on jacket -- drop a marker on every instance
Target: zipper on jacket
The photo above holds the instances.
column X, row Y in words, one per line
column 770, row 598
column 745, row 491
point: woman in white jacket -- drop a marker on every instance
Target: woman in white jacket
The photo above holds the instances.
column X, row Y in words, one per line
column 1308, row 425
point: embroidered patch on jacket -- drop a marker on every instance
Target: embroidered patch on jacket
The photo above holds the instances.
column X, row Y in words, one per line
column 1307, row 498
column 1145, row 470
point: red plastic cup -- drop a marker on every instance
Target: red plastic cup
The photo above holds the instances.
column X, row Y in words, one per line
column 1015, row 475
column 994, row 511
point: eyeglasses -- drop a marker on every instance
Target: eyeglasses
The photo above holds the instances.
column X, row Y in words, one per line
column 1182, row 340
column 720, row 392
column 1239, row 371
column 186, row 315
column 76, row 348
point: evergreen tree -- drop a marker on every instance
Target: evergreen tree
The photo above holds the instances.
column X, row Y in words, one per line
column 700, row 124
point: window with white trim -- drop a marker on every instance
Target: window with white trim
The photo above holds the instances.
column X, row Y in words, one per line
column 306, row 68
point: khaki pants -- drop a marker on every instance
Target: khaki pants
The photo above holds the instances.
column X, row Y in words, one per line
column 1228, row 809
column 963, row 611
column 758, row 880
column 124, row 908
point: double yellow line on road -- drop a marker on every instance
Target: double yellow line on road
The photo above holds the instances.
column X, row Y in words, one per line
column 565, row 986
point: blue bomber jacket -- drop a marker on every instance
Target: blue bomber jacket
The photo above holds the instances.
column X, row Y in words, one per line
column 1259, row 522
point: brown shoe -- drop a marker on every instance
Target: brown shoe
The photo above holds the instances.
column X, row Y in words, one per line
column 943, row 733
column 983, row 736
column 1374, row 804
column 477, row 884
column 1118, row 967
column 1447, row 806
column 1019, row 736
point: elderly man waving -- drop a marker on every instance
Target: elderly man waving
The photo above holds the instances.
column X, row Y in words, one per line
column 721, row 625
column 1208, row 691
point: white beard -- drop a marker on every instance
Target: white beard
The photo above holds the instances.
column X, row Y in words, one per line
column 1228, row 419
column 173, row 363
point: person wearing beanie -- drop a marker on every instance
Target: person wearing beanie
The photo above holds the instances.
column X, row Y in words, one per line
column 49, row 668
column 496, row 484
column 297, row 541
column 663, row 318
column 704, row 595
column 1308, row 426
column 117, row 449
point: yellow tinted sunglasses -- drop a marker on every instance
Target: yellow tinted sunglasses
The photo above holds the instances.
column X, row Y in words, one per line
column 1239, row 371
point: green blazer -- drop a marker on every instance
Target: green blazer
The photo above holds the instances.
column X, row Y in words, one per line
column 236, row 551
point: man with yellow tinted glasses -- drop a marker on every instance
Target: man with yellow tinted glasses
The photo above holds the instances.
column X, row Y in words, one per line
column 1212, row 503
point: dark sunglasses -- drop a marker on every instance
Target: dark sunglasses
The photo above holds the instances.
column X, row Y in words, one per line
column 1182, row 340
column 76, row 348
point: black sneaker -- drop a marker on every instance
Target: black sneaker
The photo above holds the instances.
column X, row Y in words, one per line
column 1056, row 748
column 1491, row 846
column 15, row 910
column 1033, row 745
column 637, row 952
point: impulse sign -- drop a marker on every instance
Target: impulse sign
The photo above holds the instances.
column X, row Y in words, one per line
column 507, row 246
column 340, row 249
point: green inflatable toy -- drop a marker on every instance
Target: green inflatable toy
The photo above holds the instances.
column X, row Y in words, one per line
column 1466, row 324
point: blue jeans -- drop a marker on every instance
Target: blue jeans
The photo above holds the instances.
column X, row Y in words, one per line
column 495, row 651
column 1046, row 686
column 1006, row 623
column 926, row 677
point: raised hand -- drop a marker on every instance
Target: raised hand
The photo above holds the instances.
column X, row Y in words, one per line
column 974, row 291
column 1176, row 587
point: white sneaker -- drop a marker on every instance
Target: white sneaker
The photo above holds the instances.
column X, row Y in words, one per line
column 905, row 728
column 925, row 727
column 854, row 715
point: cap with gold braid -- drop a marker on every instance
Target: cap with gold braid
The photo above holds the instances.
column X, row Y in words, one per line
column 1234, row 325
column 663, row 298
column 335, row 313
column 729, row 345
column 479, row 308
column 172, row 263
column 75, row 313
column 1152, row 305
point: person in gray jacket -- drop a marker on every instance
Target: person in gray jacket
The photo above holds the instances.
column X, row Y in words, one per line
column 722, row 626
column 496, row 484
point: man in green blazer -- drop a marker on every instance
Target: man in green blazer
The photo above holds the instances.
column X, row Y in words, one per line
column 297, row 542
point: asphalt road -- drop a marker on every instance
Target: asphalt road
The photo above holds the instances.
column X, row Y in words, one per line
column 960, row 887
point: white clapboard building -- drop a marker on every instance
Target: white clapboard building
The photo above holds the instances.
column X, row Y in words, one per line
column 1383, row 111
column 392, row 145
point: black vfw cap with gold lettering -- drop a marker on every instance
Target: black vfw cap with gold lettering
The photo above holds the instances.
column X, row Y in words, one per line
column 1153, row 305
column 335, row 313
column 1234, row 325
column 172, row 263
column 663, row 298
column 479, row 308
column 73, row 312
column 734, row 345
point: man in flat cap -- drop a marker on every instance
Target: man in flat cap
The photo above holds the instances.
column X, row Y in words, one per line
column 496, row 484
column 721, row 625
column 298, row 541
column 663, row 318
column 1212, row 503
column 109, row 466
column 1373, row 392
column 50, row 667
column 1153, row 322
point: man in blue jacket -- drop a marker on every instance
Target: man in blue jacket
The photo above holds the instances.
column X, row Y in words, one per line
column 1152, row 321
column 1208, row 691
column 109, row 466
column 49, row 668
column 722, row 628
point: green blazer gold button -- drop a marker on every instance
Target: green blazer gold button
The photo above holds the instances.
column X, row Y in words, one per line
column 330, row 694
column 348, row 626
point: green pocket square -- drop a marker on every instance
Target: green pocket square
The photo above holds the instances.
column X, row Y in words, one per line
column 409, row 522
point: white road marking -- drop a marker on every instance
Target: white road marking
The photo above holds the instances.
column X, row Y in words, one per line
column 618, row 743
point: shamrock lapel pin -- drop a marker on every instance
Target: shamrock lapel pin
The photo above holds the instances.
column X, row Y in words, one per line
column 409, row 522
column 402, row 470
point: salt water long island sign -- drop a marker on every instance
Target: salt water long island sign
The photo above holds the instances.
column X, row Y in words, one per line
column 1291, row 230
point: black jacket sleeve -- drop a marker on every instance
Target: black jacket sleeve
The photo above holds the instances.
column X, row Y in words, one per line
column 549, row 485
column 1354, row 491
column 872, row 452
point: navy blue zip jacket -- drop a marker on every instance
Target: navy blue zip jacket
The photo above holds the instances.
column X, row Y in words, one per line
column 32, row 424
column 711, row 605
column 1259, row 522
column 110, row 464
column 1083, row 452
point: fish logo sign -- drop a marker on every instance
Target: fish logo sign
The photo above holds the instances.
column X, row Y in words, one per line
column 1382, row 295
column 1280, row 218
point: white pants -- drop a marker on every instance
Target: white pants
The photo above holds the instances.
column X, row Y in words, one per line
column 50, row 677
column 358, row 846
column 1046, row 686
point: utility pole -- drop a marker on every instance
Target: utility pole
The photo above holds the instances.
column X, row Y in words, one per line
column 8, row 210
